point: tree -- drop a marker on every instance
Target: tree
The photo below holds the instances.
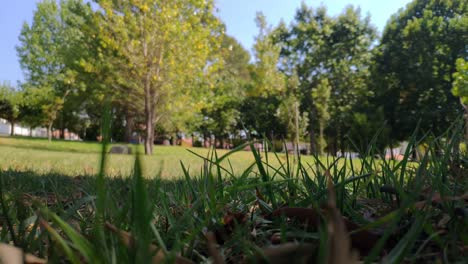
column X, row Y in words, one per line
column 220, row 114
column 49, row 52
column 10, row 103
column 165, row 46
column 289, row 111
column 41, row 107
column 460, row 88
column 321, row 97
column 267, row 79
column 320, row 47
column 415, row 63
column 267, row 84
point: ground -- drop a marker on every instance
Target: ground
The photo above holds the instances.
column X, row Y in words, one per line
column 82, row 158
column 79, row 158
column 371, row 210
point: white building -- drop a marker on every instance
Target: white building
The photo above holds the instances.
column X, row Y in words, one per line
column 5, row 128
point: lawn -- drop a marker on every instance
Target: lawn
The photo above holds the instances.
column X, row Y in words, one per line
column 379, row 211
column 80, row 158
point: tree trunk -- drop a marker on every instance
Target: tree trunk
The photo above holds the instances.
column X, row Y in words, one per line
column 296, row 127
column 12, row 128
column 313, row 146
column 321, row 140
column 30, row 131
column 342, row 143
column 466, row 128
column 62, row 125
column 129, row 128
column 49, row 131
column 221, row 142
column 465, row 107
column 149, row 113
column 149, row 126
column 149, row 136
column 392, row 155
column 335, row 144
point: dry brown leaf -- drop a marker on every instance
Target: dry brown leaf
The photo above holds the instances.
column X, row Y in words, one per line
column 444, row 221
column 363, row 240
column 306, row 215
column 213, row 249
column 13, row 255
column 339, row 242
column 436, row 198
column 129, row 241
column 288, row 253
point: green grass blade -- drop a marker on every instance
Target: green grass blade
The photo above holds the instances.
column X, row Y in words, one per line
column 80, row 243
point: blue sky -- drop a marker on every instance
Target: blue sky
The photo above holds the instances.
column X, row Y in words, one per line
column 237, row 14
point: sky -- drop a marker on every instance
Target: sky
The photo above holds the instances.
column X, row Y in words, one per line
column 238, row 15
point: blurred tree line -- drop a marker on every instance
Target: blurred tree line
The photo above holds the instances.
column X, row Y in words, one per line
column 167, row 68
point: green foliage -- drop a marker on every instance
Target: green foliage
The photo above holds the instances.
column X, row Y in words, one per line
column 415, row 62
column 49, row 52
column 10, row 103
column 267, row 80
column 259, row 117
column 220, row 113
column 321, row 97
column 320, row 47
column 267, row 87
column 165, row 47
column 286, row 114
column 168, row 66
column 460, row 81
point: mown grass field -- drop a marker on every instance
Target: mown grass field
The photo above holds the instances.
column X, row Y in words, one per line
column 82, row 158
column 334, row 211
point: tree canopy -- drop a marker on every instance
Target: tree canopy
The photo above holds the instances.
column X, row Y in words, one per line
column 415, row 62
column 167, row 68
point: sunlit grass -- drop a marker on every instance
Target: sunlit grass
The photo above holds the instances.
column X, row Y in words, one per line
column 399, row 211
column 82, row 158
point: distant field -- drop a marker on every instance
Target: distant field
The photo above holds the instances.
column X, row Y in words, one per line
column 82, row 158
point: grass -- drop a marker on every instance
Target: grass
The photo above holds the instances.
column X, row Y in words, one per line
column 79, row 158
column 82, row 158
column 267, row 213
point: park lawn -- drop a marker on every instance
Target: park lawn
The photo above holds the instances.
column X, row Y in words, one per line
column 73, row 158
column 55, row 145
column 242, row 211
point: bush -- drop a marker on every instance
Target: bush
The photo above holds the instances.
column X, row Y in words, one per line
column 278, row 146
column 197, row 144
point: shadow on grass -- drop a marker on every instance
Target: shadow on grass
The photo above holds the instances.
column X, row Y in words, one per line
column 41, row 184
column 58, row 145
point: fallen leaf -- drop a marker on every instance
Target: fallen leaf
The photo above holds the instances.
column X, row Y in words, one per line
column 288, row 253
column 231, row 219
column 13, row 255
column 129, row 241
column 306, row 215
column 339, row 242
column 444, row 221
column 436, row 199
column 275, row 238
column 213, row 249
column 362, row 240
